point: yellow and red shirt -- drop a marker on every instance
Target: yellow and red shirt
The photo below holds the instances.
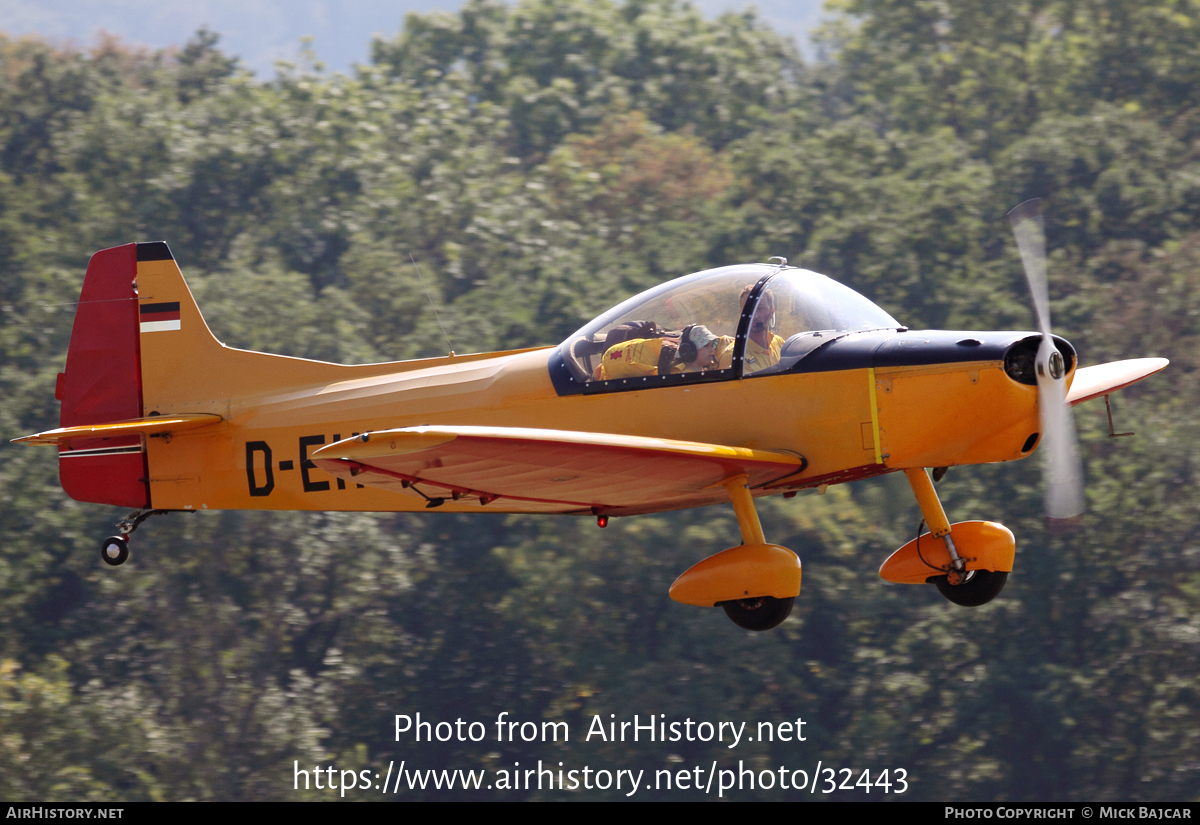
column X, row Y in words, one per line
column 630, row 359
column 757, row 357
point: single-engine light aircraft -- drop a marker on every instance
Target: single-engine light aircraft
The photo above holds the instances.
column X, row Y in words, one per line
column 722, row 386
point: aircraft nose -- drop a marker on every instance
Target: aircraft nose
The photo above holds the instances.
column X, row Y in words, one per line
column 1020, row 359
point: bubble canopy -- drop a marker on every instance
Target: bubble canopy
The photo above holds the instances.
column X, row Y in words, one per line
column 720, row 324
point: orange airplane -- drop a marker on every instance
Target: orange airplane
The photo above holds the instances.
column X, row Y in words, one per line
column 721, row 386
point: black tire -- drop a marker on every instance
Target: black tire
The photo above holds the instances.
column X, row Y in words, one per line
column 114, row 550
column 980, row 587
column 758, row 614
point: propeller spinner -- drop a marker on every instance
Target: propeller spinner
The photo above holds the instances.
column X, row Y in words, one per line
column 1063, row 472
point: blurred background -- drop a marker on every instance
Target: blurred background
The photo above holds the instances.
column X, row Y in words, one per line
column 543, row 161
column 260, row 32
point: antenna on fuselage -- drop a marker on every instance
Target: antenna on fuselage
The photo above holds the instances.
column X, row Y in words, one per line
column 428, row 295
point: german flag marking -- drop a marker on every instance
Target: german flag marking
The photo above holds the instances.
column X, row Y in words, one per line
column 160, row 317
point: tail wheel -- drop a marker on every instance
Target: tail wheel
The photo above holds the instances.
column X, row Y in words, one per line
column 114, row 550
column 758, row 614
column 980, row 587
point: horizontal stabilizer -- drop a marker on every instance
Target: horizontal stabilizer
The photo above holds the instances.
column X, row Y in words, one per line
column 154, row 425
column 568, row 471
column 1102, row 379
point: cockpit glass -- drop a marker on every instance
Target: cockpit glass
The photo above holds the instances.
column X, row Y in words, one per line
column 641, row 337
column 798, row 311
column 689, row 326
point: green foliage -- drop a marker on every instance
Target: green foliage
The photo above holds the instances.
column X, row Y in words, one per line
column 559, row 68
column 991, row 70
column 504, row 173
column 902, row 218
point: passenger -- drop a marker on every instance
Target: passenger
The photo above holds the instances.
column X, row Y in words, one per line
column 699, row 349
column 696, row 348
column 635, row 358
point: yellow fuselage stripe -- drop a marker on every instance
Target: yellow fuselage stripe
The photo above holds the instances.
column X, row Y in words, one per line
column 874, row 416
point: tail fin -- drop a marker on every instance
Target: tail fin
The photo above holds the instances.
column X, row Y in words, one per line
column 140, row 349
column 102, row 383
column 178, row 351
column 185, row 370
column 132, row 296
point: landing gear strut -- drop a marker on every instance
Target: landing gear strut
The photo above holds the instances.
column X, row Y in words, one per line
column 763, row 612
column 969, row 588
column 755, row 583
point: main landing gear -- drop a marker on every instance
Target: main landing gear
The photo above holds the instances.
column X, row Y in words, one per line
column 114, row 550
column 755, row 583
column 968, row 562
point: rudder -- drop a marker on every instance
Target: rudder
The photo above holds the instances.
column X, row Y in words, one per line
column 102, row 384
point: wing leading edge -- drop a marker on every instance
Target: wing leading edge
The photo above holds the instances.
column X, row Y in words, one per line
column 537, row 470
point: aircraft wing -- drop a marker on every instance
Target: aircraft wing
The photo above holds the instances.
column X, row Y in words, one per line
column 537, row 470
column 1102, row 379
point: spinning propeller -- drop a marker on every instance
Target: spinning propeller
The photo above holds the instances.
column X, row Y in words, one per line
column 1060, row 445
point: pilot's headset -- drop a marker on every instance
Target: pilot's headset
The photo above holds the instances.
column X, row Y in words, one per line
column 688, row 351
column 691, row 340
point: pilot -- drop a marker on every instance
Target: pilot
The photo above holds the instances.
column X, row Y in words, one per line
column 764, row 346
column 695, row 349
